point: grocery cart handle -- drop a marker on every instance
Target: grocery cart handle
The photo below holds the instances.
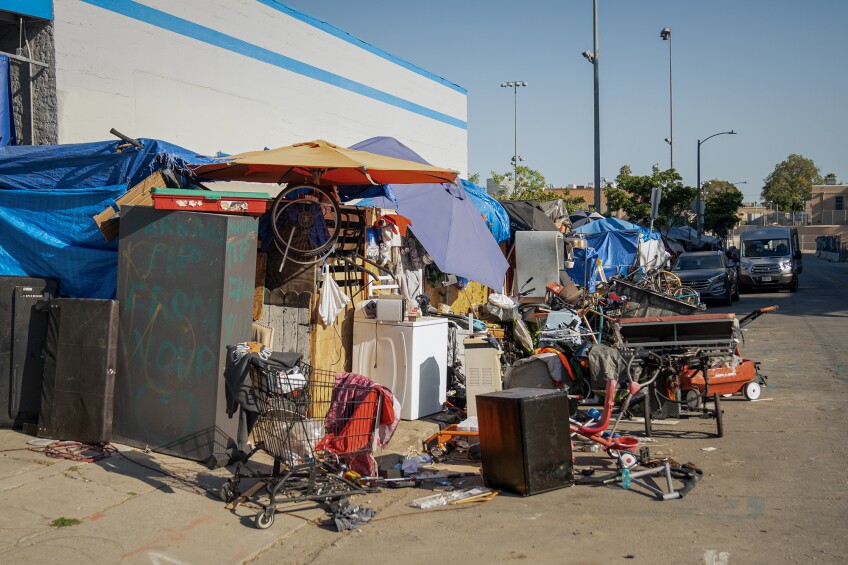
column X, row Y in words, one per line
column 768, row 309
column 756, row 314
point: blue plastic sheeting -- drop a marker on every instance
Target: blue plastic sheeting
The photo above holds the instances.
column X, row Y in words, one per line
column 615, row 224
column 496, row 217
column 81, row 166
column 617, row 250
column 48, row 196
column 585, row 270
column 54, row 235
column 348, row 193
column 7, row 118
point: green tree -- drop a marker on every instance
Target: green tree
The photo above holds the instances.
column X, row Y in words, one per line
column 633, row 197
column 715, row 185
column 475, row 178
column 532, row 186
column 720, row 212
column 830, row 178
column 791, row 182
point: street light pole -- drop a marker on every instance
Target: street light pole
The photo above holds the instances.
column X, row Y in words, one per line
column 597, row 112
column 700, row 188
column 514, row 84
column 665, row 34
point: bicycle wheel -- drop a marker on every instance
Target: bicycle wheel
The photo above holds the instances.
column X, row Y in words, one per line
column 688, row 295
column 668, row 281
column 305, row 221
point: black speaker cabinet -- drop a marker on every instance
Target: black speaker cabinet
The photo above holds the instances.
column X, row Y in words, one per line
column 525, row 440
column 23, row 330
column 79, row 370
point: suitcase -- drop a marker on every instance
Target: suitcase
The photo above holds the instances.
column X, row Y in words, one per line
column 79, row 370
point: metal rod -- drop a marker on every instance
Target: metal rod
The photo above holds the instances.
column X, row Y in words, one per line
column 670, row 105
column 23, row 59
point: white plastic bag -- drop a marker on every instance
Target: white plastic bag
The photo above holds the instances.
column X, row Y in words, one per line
column 333, row 300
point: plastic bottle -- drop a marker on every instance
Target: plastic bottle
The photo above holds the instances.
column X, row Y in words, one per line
column 594, row 413
column 625, row 479
column 410, row 465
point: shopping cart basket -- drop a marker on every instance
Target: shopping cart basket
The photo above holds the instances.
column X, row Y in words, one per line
column 317, row 425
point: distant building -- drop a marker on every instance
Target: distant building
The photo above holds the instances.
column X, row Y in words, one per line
column 828, row 205
column 586, row 192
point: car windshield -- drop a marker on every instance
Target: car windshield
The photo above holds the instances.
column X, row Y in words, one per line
column 692, row 262
column 765, row 248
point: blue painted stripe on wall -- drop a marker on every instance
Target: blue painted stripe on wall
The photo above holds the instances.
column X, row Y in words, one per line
column 209, row 36
column 341, row 34
column 35, row 8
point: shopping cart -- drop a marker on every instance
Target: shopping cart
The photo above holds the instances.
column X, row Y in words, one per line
column 319, row 427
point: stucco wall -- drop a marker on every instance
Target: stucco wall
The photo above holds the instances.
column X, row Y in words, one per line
column 237, row 75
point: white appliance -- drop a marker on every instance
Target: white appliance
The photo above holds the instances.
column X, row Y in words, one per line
column 482, row 370
column 540, row 256
column 410, row 358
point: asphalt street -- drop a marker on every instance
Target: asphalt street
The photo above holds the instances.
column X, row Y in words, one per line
column 774, row 489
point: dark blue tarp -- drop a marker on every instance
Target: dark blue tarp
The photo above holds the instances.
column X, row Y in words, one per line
column 48, row 195
column 585, row 268
column 7, row 118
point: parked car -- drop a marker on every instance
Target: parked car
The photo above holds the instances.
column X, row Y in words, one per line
column 770, row 258
column 710, row 273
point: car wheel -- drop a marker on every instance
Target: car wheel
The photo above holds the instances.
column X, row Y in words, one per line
column 728, row 297
column 793, row 286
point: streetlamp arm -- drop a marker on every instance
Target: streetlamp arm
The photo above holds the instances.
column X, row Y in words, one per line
column 701, row 142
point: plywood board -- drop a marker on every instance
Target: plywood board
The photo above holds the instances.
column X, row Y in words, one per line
column 140, row 195
column 259, row 286
column 459, row 301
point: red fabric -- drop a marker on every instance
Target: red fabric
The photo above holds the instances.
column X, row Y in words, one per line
column 401, row 222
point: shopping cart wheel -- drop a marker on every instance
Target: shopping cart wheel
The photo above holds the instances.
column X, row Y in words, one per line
column 227, row 492
column 752, row 390
column 264, row 519
column 719, row 422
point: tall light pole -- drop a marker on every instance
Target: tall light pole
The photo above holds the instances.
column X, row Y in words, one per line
column 666, row 36
column 514, row 84
column 592, row 57
column 701, row 188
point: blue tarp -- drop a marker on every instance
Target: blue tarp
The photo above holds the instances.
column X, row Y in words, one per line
column 617, row 250
column 7, row 118
column 584, row 272
column 48, row 195
column 496, row 217
column 615, row 224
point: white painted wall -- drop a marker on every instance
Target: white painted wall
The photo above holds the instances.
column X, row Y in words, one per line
column 115, row 70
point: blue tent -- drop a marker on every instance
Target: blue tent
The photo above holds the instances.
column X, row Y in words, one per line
column 445, row 221
column 615, row 224
column 48, row 196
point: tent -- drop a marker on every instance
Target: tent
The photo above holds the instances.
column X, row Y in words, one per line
column 648, row 245
column 48, row 195
column 527, row 215
column 688, row 237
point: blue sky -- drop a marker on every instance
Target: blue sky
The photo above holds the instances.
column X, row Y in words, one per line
column 776, row 71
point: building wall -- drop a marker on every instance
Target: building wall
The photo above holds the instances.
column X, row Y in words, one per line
column 822, row 206
column 33, row 87
column 237, row 75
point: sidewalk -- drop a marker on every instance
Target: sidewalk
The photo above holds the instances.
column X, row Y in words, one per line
column 132, row 507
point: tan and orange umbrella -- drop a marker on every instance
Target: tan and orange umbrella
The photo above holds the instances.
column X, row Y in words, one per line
column 321, row 162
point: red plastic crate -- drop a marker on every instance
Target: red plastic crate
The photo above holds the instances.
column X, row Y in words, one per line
column 244, row 203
